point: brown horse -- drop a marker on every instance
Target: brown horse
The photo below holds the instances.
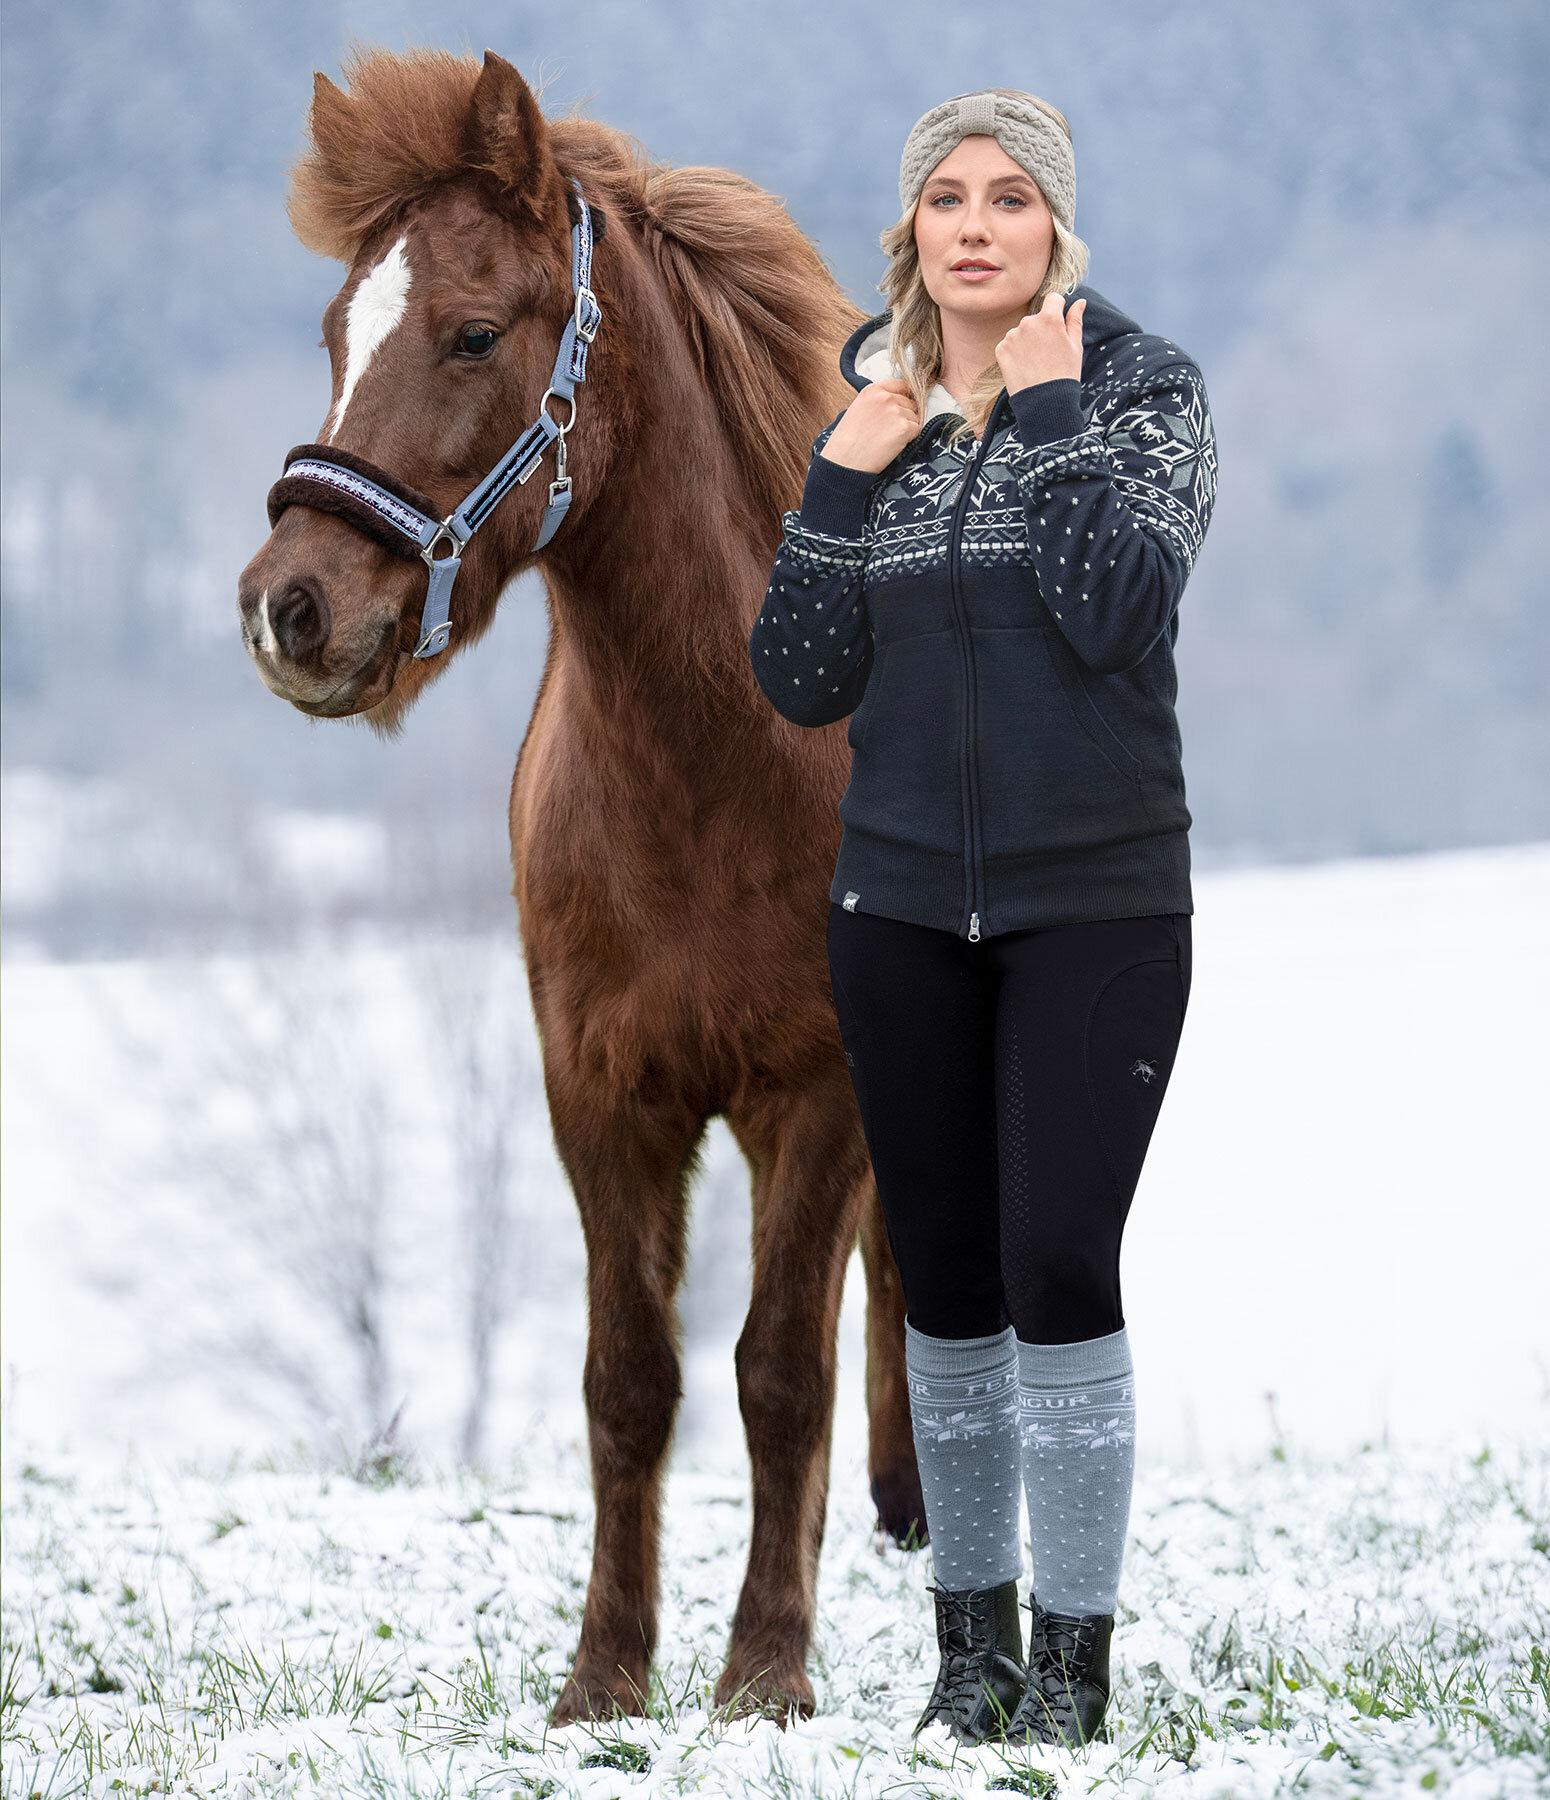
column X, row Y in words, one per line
column 672, row 836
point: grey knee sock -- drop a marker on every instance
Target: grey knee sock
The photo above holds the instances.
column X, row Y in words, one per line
column 963, row 1404
column 1077, row 1410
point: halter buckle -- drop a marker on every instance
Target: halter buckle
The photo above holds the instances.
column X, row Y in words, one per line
column 588, row 315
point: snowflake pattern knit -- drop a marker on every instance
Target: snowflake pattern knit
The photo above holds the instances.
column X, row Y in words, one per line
column 1077, row 1414
column 963, row 1404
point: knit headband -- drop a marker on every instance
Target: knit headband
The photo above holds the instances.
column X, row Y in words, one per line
column 1024, row 131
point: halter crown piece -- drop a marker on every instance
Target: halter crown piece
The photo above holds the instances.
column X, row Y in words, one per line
column 403, row 520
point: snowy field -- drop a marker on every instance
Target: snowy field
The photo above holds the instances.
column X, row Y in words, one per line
column 222, row 1571
column 1374, row 1625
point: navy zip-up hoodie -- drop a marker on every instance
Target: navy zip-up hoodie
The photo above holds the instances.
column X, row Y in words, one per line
column 998, row 619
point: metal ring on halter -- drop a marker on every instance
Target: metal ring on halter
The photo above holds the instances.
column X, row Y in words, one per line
column 543, row 406
column 428, row 554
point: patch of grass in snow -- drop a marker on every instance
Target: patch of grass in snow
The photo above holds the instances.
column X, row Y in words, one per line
column 1451, row 1690
column 1039, row 1784
column 244, row 1691
column 475, row 1703
column 613, row 1750
column 15, row 1696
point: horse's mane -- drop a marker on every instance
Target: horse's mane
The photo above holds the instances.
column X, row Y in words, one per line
column 760, row 306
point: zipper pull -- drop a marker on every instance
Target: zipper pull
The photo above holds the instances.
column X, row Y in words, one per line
column 974, row 928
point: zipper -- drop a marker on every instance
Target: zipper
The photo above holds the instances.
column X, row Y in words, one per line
column 966, row 647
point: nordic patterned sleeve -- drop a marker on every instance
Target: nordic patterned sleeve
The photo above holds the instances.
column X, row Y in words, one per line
column 1116, row 515
column 811, row 646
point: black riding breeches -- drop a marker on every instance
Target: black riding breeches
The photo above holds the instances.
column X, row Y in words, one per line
column 1008, row 1090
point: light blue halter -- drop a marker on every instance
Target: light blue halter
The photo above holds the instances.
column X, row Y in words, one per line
column 369, row 498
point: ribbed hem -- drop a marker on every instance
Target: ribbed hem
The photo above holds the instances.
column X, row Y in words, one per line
column 834, row 498
column 952, row 1359
column 1075, row 1365
column 924, row 887
column 1129, row 880
column 1048, row 412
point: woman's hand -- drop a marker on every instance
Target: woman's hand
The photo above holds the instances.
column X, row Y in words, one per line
column 874, row 428
column 1043, row 346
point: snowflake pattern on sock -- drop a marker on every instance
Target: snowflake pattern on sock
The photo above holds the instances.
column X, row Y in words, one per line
column 1094, row 1419
column 1078, row 1462
column 989, row 1405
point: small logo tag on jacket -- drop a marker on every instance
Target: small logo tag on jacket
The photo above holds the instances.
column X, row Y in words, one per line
column 1146, row 1070
column 850, row 900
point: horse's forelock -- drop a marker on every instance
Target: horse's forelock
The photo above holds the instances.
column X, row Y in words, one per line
column 405, row 123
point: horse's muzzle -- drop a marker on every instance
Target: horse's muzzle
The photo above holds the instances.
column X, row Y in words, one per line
column 321, row 610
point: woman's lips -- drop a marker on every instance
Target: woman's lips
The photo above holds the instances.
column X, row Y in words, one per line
column 974, row 271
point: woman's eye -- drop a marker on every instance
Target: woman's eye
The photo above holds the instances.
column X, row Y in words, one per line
column 477, row 340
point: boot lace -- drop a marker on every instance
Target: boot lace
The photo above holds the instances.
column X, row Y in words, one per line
column 1059, row 1660
column 967, row 1634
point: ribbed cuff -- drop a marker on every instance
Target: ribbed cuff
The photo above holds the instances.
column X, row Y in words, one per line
column 1075, row 1365
column 834, row 498
column 951, row 1359
column 1048, row 411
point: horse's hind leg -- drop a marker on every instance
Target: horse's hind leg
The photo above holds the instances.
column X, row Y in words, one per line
column 891, row 1464
column 628, row 1167
column 809, row 1161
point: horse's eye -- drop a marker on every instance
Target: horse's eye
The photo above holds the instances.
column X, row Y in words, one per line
column 477, row 340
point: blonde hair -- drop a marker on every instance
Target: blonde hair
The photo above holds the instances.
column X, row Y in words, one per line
column 916, row 338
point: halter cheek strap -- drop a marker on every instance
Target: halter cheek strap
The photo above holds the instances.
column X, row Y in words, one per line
column 403, row 520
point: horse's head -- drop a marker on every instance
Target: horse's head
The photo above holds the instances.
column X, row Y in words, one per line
column 443, row 196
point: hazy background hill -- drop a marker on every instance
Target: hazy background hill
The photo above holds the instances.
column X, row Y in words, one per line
column 1340, row 210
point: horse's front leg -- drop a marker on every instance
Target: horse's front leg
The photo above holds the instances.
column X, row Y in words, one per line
column 809, row 1161
column 626, row 1163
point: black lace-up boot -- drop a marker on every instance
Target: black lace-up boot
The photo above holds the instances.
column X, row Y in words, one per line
column 981, row 1678
column 1067, row 1687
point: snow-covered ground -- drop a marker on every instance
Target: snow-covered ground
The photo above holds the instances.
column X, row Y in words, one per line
column 1335, row 1286
column 1364, row 1626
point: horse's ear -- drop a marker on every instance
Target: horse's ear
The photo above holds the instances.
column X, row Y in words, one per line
column 332, row 129
column 330, row 208
column 509, row 139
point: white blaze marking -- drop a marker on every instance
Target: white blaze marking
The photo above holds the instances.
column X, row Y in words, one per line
column 265, row 639
column 375, row 308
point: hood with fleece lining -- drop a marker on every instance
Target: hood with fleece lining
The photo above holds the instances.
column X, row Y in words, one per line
column 867, row 355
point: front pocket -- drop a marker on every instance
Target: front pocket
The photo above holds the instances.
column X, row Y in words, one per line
column 1087, row 715
column 1047, row 781
column 1130, row 1044
column 861, row 718
column 905, row 775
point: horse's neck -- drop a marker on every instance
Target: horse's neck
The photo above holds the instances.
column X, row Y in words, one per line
column 656, row 595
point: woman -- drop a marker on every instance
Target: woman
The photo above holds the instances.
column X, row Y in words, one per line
column 985, row 575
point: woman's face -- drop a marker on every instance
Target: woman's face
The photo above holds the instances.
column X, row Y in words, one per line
column 984, row 232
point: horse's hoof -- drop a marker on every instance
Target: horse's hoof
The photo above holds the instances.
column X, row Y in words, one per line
column 766, row 1695
column 901, row 1507
column 590, row 1696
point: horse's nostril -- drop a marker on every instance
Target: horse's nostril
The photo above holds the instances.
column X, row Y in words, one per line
column 299, row 620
